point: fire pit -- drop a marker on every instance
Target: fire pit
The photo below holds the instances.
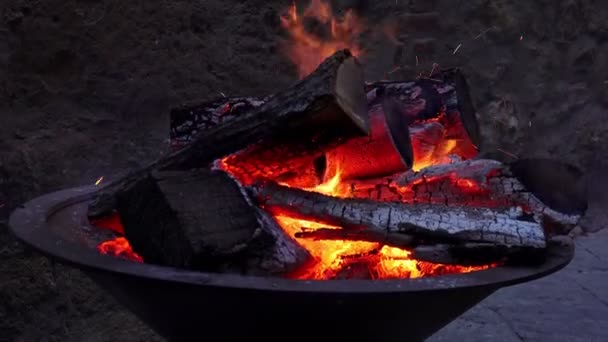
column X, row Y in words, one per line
column 180, row 304
column 330, row 206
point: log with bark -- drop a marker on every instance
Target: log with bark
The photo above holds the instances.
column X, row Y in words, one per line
column 553, row 192
column 423, row 223
column 438, row 112
column 203, row 220
column 314, row 114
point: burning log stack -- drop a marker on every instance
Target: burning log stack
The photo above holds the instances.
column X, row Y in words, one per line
column 387, row 164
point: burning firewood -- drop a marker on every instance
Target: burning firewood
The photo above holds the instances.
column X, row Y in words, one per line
column 437, row 113
column 325, row 107
column 424, row 222
column 363, row 180
column 551, row 191
column 201, row 219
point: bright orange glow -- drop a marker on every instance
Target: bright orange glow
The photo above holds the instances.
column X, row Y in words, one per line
column 111, row 222
column 119, row 247
column 334, row 256
column 306, row 49
column 438, row 155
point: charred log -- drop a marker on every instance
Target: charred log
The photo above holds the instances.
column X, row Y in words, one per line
column 438, row 113
column 477, row 254
column 462, row 254
column 328, row 104
column 391, row 239
column 438, row 223
column 490, row 184
column 313, row 114
column 201, row 219
column 187, row 120
column 435, row 114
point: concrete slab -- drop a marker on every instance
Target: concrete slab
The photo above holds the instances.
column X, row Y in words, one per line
column 569, row 306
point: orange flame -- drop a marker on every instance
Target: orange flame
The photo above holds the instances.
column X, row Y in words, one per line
column 333, row 256
column 306, row 49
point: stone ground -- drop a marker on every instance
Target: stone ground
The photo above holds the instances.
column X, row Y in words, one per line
column 570, row 305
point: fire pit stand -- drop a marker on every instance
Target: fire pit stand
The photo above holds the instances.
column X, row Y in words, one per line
column 184, row 305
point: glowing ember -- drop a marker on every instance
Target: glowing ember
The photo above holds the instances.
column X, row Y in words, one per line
column 111, row 222
column 335, row 256
column 306, row 49
column 119, row 247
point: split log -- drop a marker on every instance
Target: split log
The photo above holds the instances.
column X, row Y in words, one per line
column 439, row 112
column 201, row 219
column 553, row 192
column 432, row 222
column 440, row 118
column 313, row 114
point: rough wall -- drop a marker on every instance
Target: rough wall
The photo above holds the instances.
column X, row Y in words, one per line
column 85, row 88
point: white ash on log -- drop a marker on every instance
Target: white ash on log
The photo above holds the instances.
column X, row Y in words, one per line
column 489, row 184
column 511, row 228
column 309, row 117
column 201, row 219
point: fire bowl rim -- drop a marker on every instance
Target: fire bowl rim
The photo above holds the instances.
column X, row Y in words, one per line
column 30, row 223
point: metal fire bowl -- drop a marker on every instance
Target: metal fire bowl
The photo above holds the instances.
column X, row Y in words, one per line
column 183, row 305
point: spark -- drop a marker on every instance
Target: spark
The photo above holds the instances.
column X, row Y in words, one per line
column 507, row 153
column 223, row 95
column 395, row 69
column 435, row 65
column 521, row 37
column 99, row 180
column 484, row 32
column 457, row 48
column 416, row 60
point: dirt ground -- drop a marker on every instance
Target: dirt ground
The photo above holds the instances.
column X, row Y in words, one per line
column 85, row 89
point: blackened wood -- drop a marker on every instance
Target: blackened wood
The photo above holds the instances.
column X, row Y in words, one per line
column 324, row 107
column 438, row 110
column 392, row 239
column 559, row 185
column 438, row 222
column 327, row 104
column 188, row 119
column 477, row 254
column 435, row 119
column 465, row 254
column 274, row 252
column 486, row 183
column 199, row 219
column 422, row 102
